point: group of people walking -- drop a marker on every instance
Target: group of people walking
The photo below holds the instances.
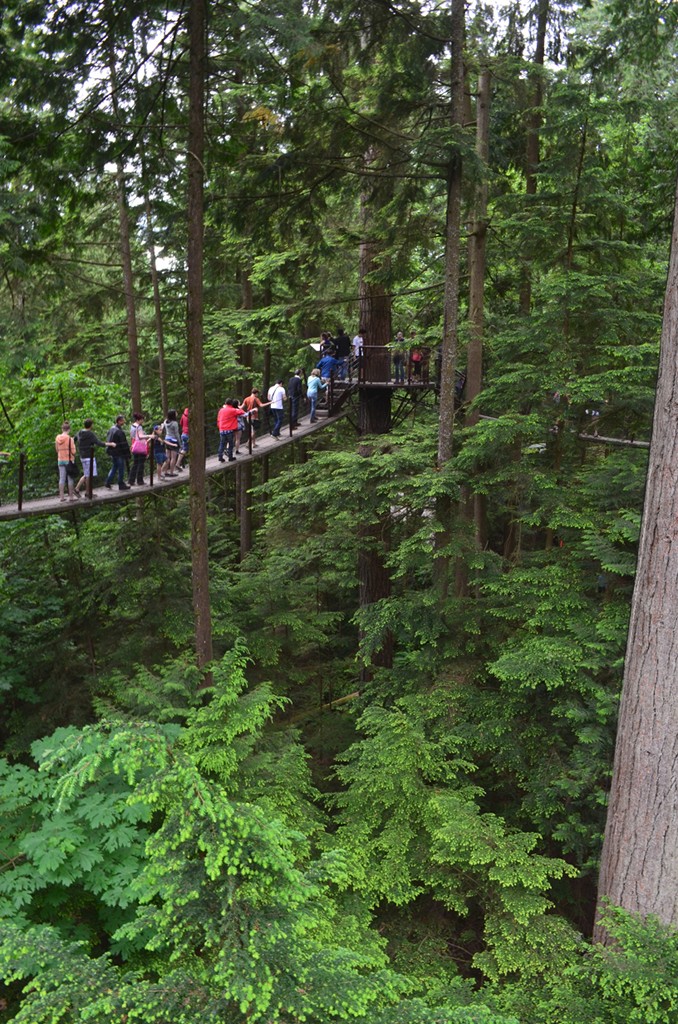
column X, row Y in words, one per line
column 409, row 359
column 238, row 422
column 167, row 443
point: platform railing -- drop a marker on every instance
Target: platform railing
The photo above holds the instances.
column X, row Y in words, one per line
column 29, row 476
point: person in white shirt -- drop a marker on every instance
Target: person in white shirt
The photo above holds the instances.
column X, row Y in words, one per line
column 358, row 344
column 277, row 396
column 357, row 347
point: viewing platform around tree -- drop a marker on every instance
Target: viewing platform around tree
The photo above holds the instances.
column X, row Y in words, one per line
column 374, row 367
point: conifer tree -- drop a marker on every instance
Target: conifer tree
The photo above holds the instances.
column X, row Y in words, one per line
column 639, row 869
column 194, row 334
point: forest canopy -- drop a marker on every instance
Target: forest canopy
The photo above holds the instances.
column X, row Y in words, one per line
column 329, row 737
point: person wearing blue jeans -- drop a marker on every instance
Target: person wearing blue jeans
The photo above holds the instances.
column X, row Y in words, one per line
column 120, row 454
column 226, row 442
column 227, row 423
column 314, row 386
column 277, row 397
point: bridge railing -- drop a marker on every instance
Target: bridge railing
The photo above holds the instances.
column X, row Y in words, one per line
column 380, row 364
column 25, row 477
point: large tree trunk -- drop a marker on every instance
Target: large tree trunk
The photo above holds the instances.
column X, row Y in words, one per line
column 374, row 578
column 639, row 865
column 374, row 409
column 196, row 389
column 375, row 300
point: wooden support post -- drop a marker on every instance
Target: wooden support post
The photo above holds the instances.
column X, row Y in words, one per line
column 245, row 473
column 22, row 467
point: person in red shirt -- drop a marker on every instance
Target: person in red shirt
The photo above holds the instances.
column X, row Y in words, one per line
column 227, row 423
column 183, row 427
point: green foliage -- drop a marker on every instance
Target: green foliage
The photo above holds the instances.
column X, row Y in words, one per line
column 171, row 858
column 229, row 908
column 634, row 978
column 410, row 816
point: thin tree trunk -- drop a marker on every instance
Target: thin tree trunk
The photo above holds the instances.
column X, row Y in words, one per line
column 244, row 385
column 639, row 866
column 444, row 503
column 512, row 537
column 157, row 305
column 126, row 254
column 532, row 143
column 196, row 389
column 452, row 243
column 477, row 252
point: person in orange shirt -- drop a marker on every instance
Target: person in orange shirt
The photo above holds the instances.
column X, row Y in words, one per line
column 252, row 404
column 65, row 449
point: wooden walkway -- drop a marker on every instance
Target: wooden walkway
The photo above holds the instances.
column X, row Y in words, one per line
column 102, row 496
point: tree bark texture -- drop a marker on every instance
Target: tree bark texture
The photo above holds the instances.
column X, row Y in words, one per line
column 452, row 242
column 128, row 283
column 534, row 120
column 126, row 256
column 196, row 389
column 472, row 505
column 157, row 305
column 375, row 300
column 374, row 408
column 374, row 579
column 477, row 252
column 639, row 864
column 374, row 411
column 448, row 355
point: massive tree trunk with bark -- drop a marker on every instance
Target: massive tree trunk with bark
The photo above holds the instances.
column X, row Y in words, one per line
column 639, row 865
column 374, row 404
column 375, row 299
column 196, row 389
